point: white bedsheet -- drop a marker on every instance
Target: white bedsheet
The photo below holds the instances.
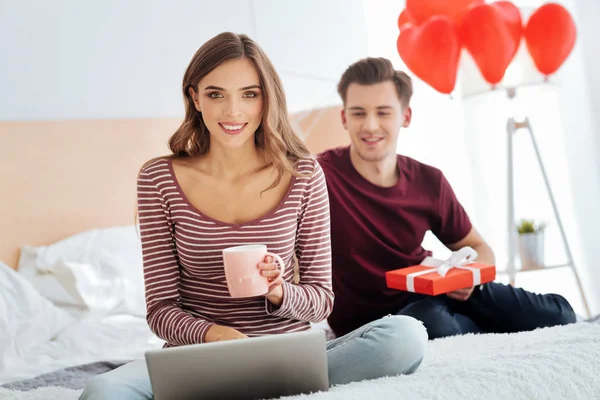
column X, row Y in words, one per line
column 90, row 339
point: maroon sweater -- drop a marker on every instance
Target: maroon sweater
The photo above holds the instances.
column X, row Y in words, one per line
column 186, row 290
column 376, row 229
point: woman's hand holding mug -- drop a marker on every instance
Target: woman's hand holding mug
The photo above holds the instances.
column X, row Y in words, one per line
column 268, row 269
column 250, row 271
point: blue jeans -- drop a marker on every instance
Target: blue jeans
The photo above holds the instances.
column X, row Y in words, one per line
column 492, row 308
column 389, row 346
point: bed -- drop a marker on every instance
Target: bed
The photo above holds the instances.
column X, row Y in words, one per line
column 68, row 343
column 71, row 295
column 551, row 363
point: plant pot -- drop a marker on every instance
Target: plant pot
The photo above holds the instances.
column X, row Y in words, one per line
column 531, row 250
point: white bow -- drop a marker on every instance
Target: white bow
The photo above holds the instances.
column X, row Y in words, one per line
column 458, row 259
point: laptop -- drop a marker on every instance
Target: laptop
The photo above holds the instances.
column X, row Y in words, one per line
column 257, row 368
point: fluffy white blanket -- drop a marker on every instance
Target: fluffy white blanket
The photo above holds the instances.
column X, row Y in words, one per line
column 552, row 363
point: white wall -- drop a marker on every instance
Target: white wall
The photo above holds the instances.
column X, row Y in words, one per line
column 586, row 13
column 579, row 97
column 66, row 59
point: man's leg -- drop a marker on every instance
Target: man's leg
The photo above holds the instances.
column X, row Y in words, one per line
column 128, row 382
column 389, row 346
column 437, row 317
column 500, row 308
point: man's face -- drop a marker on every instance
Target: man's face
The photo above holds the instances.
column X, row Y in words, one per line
column 373, row 116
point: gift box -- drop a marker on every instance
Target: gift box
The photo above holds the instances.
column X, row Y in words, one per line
column 434, row 276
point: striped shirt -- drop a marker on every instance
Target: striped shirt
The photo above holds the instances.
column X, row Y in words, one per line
column 186, row 290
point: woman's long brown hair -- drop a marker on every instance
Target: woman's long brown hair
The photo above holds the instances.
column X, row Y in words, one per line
column 282, row 148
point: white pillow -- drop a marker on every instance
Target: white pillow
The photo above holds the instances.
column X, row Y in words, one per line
column 100, row 270
column 26, row 317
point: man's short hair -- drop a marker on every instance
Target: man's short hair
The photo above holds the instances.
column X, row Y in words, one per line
column 369, row 71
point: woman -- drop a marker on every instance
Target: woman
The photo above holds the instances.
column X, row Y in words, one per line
column 239, row 175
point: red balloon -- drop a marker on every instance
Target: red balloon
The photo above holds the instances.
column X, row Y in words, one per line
column 405, row 18
column 431, row 51
column 422, row 10
column 550, row 36
column 512, row 17
column 491, row 38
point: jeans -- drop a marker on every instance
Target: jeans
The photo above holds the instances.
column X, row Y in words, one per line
column 492, row 308
column 389, row 346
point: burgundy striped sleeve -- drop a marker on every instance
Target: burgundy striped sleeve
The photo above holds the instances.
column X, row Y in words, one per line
column 312, row 298
column 165, row 315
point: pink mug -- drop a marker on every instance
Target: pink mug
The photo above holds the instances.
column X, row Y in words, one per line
column 241, row 270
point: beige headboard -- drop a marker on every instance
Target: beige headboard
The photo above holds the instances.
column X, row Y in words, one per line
column 59, row 178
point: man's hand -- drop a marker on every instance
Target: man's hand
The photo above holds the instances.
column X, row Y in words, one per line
column 485, row 256
column 218, row 333
column 461, row 295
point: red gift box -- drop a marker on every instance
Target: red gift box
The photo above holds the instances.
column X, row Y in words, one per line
column 434, row 277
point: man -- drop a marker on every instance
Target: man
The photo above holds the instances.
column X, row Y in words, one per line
column 382, row 204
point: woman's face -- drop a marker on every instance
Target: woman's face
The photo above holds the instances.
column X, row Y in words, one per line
column 231, row 102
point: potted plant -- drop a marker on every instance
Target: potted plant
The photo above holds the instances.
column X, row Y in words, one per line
column 531, row 243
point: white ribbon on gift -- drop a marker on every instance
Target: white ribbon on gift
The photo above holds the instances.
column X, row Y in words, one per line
column 458, row 259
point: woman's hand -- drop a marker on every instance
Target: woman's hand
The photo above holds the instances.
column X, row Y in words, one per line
column 218, row 333
column 269, row 269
